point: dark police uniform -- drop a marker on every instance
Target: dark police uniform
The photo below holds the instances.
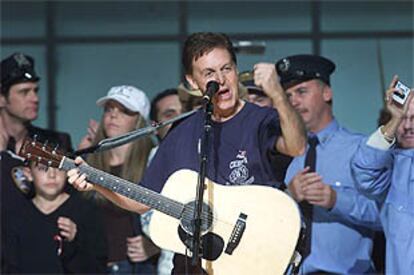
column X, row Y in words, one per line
column 16, row 191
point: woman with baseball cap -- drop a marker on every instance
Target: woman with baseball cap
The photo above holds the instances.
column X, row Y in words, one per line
column 126, row 108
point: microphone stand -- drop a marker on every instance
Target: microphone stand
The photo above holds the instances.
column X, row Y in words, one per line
column 110, row 143
column 204, row 146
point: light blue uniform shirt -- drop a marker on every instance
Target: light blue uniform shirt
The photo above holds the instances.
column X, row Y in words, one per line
column 341, row 236
column 388, row 177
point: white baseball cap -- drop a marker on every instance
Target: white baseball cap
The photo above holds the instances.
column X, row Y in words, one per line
column 130, row 97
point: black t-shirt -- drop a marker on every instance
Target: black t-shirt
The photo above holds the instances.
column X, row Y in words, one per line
column 241, row 152
column 33, row 240
column 14, row 189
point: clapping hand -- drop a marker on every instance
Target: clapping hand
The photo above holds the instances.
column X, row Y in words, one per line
column 309, row 186
column 90, row 136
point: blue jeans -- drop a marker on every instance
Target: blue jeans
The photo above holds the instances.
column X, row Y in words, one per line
column 127, row 267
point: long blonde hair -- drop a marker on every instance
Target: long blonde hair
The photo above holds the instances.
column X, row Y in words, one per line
column 135, row 163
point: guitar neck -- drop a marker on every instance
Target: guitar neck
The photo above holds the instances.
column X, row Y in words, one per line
column 128, row 189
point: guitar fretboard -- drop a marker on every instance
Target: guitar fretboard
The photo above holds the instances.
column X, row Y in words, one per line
column 128, row 189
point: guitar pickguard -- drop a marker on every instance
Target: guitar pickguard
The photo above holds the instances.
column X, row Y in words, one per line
column 211, row 244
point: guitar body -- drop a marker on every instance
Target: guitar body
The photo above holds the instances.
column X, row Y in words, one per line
column 267, row 222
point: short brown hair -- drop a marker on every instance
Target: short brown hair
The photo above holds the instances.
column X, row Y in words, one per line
column 197, row 44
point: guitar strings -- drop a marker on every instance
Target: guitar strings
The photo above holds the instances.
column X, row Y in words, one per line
column 134, row 192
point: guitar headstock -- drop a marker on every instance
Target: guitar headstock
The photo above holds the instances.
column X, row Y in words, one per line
column 43, row 153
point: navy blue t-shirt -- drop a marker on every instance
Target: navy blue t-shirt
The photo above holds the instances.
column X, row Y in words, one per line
column 241, row 150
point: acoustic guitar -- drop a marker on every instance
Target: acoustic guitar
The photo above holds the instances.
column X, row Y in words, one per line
column 244, row 229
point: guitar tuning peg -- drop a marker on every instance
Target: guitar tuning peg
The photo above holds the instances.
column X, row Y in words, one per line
column 34, row 139
column 44, row 145
column 55, row 149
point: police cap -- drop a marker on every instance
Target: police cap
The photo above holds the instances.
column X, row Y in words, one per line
column 17, row 68
column 299, row 68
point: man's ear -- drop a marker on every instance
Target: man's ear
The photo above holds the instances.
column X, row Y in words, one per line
column 191, row 81
column 327, row 93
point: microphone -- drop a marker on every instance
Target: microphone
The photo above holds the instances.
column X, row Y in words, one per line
column 212, row 88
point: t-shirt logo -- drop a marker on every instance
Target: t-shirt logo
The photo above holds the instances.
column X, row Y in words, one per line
column 20, row 180
column 239, row 174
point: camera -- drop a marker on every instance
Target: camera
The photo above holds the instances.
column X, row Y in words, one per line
column 401, row 97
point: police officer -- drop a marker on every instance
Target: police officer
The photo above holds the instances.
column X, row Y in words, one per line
column 340, row 220
column 19, row 104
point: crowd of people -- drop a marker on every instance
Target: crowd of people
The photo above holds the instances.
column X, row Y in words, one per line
column 273, row 126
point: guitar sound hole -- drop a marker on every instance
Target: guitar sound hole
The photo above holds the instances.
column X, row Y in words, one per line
column 188, row 216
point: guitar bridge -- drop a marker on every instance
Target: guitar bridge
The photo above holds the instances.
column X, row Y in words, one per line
column 236, row 234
